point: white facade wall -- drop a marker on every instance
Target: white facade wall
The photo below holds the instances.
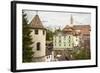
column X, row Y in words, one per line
column 63, row 42
column 39, row 38
column 76, row 40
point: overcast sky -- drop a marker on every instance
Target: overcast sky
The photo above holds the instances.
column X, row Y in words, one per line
column 59, row 19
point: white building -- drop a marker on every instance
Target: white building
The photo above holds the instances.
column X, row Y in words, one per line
column 65, row 41
column 39, row 38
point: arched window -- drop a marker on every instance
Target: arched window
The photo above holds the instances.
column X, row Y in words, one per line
column 38, row 46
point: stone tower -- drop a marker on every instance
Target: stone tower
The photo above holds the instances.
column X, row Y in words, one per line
column 39, row 38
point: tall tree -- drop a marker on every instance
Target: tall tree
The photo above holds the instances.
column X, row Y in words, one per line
column 49, row 35
column 27, row 40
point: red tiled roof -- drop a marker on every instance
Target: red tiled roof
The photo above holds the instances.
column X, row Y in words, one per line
column 77, row 27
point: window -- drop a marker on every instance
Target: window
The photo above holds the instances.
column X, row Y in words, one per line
column 59, row 41
column 69, row 37
column 49, row 56
column 59, row 37
column 64, row 44
column 59, row 44
column 38, row 46
column 43, row 32
column 69, row 40
column 36, row 31
column 64, row 37
column 55, row 39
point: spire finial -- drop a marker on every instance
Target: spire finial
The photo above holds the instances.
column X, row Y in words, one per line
column 36, row 12
column 71, row 19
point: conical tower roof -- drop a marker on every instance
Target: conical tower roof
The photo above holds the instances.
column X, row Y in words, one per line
column 36, row 23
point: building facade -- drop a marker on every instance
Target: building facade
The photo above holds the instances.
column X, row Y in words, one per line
column 63, row 41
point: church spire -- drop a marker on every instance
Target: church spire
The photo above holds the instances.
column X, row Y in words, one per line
column 36, row 12
column 71, row 19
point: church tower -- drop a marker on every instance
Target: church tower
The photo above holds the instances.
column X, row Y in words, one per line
column 39, row 39
column 71, row 21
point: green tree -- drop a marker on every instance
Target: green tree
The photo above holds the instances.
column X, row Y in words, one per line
column 83, row 54
column 49, row 35
column 27, row 40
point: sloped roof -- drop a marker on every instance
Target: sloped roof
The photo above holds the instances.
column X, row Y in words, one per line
column 68, row 28
column 81, row 26
column 77, row 27
column 36, row 23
